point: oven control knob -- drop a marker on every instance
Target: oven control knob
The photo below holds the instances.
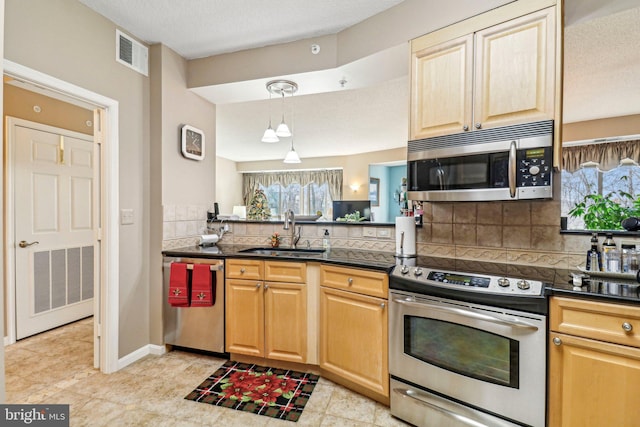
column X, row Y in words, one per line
column 404, row 269
column 534, row 170
column 417, row 272
column 504, row 282
column 523, row 284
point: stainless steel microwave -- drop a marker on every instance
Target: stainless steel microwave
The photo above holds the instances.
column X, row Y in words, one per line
column 509, row 163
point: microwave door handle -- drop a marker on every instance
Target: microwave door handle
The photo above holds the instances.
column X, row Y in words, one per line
column 513, row 322
column 441, row 178
column 512, row 169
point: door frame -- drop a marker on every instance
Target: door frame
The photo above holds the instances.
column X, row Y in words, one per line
column 106, row 300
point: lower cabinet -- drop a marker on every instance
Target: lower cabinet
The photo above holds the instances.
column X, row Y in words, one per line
column 354, row 329
column 594, row 364
column 266, row 318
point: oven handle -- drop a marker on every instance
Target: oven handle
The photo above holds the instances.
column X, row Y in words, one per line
column 516, row 323
column 461, row 418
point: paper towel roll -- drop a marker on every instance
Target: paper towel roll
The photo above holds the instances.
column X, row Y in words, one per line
column 405, row 236
column 208, row 239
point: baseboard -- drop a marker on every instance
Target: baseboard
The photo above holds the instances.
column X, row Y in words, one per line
column 156, row 350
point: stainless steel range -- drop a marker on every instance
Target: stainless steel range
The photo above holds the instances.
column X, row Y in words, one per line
column 466, row 349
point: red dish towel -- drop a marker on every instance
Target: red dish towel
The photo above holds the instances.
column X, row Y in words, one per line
column 179, row 285
column 201, row 286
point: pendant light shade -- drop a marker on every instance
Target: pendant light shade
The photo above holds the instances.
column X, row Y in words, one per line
column 283, row 130
column 292, row 156
column 270, row 135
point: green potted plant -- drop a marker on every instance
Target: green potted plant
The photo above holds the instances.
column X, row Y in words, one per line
column 606, row 212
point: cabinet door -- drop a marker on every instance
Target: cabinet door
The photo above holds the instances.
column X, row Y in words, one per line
column 514, row 71
column 592, row 383
column 354, row 338
column 441, row 88
column 286, row 321
column 244, row 318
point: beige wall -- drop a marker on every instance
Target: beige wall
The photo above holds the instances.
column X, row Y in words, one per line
column 396, row 26
column 228, row 185
column 66, row 40
column 601, row 128
column 183, row 183
column 20, row 102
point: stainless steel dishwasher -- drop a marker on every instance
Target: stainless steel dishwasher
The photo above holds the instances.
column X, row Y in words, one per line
column 200, row 328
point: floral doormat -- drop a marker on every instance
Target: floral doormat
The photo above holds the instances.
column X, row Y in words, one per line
column 276, row 393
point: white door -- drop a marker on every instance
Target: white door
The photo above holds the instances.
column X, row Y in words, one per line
column 54, row 228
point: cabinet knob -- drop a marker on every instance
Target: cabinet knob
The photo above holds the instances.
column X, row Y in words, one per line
column 382, row 305
column 266, row 286
column 350, row 280
column 465, row 128
column 557, row 341
column 627, row 327
column 242, row 270
column 478, row 125
column 257, row 285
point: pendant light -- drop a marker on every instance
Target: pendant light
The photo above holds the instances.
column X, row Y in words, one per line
column 270, row 134
column 281, row 88
column 283, row 130
column 292, row 155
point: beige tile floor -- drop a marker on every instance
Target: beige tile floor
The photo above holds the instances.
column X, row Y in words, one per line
column 57, row 367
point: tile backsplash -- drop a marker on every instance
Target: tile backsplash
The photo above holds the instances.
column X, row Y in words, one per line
column 526, row 233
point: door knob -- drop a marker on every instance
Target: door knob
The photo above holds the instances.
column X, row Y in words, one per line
column 24, row 244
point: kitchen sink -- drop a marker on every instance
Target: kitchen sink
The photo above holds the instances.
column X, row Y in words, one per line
column 284, row 252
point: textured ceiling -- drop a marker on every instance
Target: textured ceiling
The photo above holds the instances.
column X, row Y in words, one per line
column 602, row 67
column 199, row 28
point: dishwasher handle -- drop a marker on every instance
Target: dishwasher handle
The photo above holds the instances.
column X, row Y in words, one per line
column 219, row 266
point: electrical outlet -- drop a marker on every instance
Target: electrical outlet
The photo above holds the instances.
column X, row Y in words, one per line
column 368, row 231
column 629, row 242
column 126, row 216
column 384, row 232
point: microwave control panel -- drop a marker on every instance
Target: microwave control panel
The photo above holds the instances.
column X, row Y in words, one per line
column 534, row 167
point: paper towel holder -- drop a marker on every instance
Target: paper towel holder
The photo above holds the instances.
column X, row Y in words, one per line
column 401, row 254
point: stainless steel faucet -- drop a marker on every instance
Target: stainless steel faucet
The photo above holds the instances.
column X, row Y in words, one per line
column 290, row 221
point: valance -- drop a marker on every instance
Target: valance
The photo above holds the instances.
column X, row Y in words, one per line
column 607, row 155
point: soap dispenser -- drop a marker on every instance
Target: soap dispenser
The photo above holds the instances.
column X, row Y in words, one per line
column 326, row 243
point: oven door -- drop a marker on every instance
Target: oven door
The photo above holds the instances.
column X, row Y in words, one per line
column 489, row 358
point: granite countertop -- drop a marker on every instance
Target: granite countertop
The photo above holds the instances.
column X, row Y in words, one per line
column 557, row 281
column 349, row 257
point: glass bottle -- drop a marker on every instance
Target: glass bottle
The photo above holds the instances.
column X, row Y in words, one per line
column 594, row 258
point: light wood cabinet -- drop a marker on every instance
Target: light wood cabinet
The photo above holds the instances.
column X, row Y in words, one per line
column 354, row 328
column 594, row 363
column 266, row 317
column 497, row 76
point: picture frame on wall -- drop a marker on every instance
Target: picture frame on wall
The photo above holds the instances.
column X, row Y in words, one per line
column 374, row 191
column 192, row 142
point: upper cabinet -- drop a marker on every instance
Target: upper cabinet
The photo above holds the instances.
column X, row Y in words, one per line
column 497, row 75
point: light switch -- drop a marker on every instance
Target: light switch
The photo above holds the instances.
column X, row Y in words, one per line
column 126, row 216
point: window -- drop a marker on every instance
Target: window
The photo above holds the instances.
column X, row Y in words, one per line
column 302, row 200
column 304, row 192
column 600, row 185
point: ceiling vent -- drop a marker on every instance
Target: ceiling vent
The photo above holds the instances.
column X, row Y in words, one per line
column 131, row 53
